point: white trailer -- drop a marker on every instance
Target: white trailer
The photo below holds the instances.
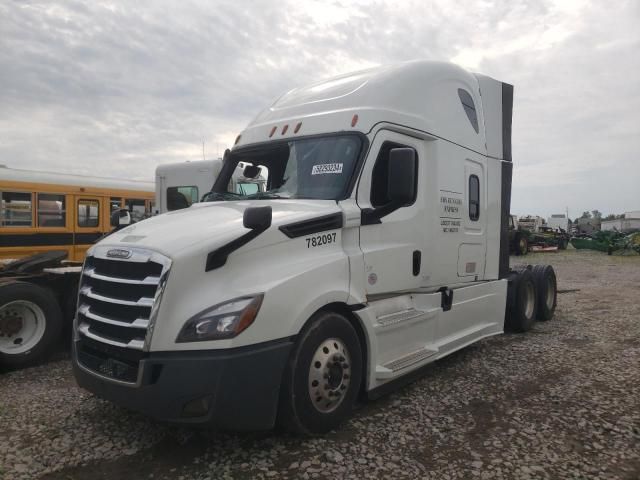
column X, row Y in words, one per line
column 181, row 184
column 379, row 246
column 558, row 221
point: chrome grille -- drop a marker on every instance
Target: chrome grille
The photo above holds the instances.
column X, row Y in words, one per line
column 118, row 298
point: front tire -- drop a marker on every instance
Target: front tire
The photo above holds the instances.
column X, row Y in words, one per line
column 30, row 323
column 323, row 376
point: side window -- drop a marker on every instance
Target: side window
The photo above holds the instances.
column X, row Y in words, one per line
column 181, row 197
column 15, row 210
column 379, row 180
column 137, row 208
column 469, row 108
column 51, row 210
column 244, row 188
column 88, row 213
column 474, row 198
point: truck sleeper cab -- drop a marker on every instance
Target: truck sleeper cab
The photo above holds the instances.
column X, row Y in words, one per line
column 378, row 245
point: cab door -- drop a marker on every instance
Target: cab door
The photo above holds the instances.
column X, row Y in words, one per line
column 89, row 223
column 392, row 248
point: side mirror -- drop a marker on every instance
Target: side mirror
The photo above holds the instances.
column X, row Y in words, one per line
column 257, row 218
column 401, row 185
column 250, row 171
column 401, row 177
column 120, row 218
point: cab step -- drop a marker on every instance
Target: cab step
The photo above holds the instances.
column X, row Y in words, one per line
column 392, row 368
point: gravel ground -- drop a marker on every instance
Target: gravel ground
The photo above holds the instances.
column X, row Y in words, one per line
column 562, row 401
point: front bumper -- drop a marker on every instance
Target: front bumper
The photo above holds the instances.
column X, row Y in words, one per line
column 234, row 389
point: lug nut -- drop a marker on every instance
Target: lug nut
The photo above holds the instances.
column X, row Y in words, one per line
column 345, row 365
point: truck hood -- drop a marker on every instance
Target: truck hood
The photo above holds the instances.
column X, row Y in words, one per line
column 213, row 224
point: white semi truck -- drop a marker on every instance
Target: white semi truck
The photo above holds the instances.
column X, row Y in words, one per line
column 379, row 245
column 181, row 184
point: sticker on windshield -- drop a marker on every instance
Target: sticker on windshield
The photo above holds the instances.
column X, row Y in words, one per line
column 326, row 168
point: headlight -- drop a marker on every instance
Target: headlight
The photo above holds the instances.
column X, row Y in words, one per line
column 225, row 320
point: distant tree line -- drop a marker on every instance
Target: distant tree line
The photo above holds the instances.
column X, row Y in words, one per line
column 597, row 215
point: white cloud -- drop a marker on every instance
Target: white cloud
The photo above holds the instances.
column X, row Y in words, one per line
column 114, row 88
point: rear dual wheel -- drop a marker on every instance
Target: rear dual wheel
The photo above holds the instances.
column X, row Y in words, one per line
column 531, row 294
column 323, row 376
column 546, row 290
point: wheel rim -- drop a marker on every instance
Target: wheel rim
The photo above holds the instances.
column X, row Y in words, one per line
column 530, row 300
column 329, row 375
column 22, row 326
column 523, row 246
column 550, row 293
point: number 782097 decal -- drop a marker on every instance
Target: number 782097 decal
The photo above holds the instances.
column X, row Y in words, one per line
column 318, row 240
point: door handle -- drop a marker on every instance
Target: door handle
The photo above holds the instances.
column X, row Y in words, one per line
column 417, row 261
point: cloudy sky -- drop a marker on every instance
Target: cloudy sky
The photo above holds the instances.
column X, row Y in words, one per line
column 115, row 88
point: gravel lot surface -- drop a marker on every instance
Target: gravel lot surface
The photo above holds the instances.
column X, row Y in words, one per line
column 562, row 401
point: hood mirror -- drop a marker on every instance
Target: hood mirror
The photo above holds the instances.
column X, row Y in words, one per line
column 257, row 218
column 120, row 218
column 250, row 171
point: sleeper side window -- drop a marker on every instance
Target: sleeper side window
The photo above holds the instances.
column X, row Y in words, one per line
column 469, row 108
column 474, row 198
column 379, row 179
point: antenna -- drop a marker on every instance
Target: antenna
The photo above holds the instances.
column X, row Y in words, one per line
column 203, row 150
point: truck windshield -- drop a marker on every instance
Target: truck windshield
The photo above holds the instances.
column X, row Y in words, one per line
column 318, row 168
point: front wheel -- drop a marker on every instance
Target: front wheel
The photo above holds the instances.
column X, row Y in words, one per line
column 30, row 323
column 323, row 376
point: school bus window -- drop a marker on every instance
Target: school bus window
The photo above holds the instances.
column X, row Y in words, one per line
column 15, row 210
column 88, row 213
column 51, row 210
column 115, row 203
column 137, row 208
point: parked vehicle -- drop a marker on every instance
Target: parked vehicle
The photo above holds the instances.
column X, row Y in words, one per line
column 559, row 221
column 180, row 185
column 531, row 223
column 44, row 211
column 379, row 246
column 549, row 237
column 518, row 238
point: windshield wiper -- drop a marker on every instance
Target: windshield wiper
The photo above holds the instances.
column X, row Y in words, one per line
column 213, row 196
column 264, row 195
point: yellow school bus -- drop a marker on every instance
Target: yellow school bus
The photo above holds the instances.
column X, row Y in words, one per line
column 44, row 211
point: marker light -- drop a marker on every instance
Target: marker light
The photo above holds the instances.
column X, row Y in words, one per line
column 297, row 129
column 273, row 130
column 284, row 129
column 225, row 320
column 354, row 120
